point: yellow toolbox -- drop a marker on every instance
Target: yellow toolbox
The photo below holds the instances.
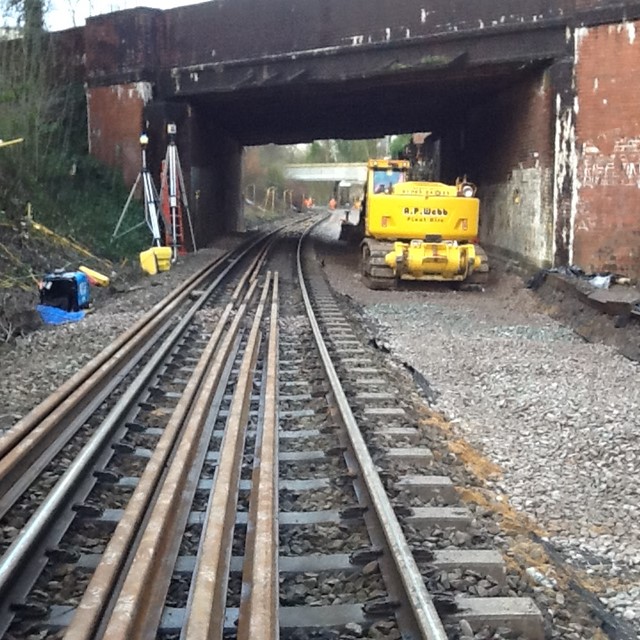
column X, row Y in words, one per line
column 155, row 259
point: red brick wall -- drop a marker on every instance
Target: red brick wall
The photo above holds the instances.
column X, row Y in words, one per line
column 115, row 124
column 607, row 217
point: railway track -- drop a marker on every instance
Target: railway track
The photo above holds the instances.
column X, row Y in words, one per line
column 250, row 473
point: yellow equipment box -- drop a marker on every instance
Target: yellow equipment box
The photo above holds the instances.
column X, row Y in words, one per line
column 155, row 259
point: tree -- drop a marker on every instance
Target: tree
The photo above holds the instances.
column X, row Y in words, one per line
column 356, row 150
column 322, row 151
column 24, row 14
column 398, row 143
column 319, row 152
column 36, row 101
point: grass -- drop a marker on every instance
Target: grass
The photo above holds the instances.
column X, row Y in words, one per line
column 82, row 200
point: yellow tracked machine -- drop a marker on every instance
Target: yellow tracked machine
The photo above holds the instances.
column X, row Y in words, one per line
column 417, row 230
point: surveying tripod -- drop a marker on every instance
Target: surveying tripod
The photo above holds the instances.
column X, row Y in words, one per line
column 173, row 196
column 166, row 209
column 151, row 200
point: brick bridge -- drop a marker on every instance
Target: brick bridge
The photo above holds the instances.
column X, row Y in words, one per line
column 536, row 100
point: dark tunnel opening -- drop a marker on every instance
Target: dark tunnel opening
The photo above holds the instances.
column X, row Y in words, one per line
column 487, row 121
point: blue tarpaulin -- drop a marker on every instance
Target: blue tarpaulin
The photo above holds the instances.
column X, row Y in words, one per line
column 53, row 315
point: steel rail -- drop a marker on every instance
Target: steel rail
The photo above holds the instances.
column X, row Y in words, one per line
column 422, row 607
column 61, row 399
column 138, row 330
column 20, row 551
column 259, row 605
column 97, row 597
column 207, row 597
column 254, row 271
column 31, row 445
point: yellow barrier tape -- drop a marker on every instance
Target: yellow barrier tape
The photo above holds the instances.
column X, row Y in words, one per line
column 11, row 255
column 7, row 143
column 13, row 283
column 70, row 243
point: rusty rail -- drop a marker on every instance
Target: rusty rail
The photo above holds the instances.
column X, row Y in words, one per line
column 36, row 439
column 258, row 616
column 207, row 597
column 104, row 364
column 422, row 609
column 18, row 555
column 168, row 513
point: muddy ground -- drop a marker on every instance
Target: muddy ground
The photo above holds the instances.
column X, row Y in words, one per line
column 593, row 324
column 28, row 252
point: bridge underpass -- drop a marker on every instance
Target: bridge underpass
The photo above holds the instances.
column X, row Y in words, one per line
column 479, row 114
column 496, row 84
column 455, row 104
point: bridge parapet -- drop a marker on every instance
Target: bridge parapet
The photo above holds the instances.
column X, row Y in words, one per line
column 136, row 44
column 124, row 46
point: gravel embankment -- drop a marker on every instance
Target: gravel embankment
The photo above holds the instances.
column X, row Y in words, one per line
column 557, row 414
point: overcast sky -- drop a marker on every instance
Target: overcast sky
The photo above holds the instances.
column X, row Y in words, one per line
column 64, row 14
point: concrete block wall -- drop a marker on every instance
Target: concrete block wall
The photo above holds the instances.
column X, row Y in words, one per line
column 606, row 228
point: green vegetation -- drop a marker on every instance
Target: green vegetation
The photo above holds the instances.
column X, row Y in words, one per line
column 398, row 143
column 52, row 175
column 68, row 190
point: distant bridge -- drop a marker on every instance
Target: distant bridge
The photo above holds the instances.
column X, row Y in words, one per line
column 354, row 172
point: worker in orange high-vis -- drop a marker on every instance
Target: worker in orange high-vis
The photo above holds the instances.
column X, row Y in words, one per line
column 332, row 204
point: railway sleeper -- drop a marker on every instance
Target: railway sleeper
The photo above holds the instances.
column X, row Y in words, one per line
column 518, row 614
column 419, row 518
column 397, row 412
column 410, row 455
column 429, row 487
column 410, row 434
column 483, row 562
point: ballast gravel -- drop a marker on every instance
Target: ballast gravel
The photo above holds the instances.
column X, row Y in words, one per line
column 36, row 364
column 560, row 416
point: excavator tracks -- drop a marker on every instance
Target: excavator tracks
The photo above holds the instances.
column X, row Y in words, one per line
column 377, row 275
column 375, row 272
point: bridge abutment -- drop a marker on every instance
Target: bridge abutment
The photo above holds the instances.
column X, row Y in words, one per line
column 115, row 121
column 211, row 162
column 508, row 151
column 607, row 205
